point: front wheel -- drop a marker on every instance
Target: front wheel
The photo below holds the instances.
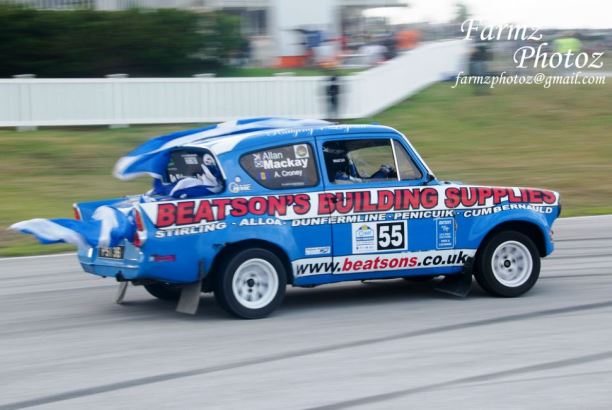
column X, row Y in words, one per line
column 508, row 265
column 251, row 284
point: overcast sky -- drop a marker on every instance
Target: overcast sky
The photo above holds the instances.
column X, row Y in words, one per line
column 538, row 13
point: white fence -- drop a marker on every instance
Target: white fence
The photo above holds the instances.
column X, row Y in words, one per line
column 54, row 102
column 377, row 89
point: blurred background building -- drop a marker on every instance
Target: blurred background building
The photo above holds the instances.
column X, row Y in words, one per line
column 280, row 32
column 382, row 51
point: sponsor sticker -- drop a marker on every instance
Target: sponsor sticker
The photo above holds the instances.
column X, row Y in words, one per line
column 318, row 250
column 382, row 236
column 352, row 206
column 301, row 151
column 364, row 237
column 237, row 186
column 386, row 262
column 445, row 233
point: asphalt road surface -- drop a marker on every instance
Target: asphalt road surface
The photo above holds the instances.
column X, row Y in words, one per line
column 64, row 344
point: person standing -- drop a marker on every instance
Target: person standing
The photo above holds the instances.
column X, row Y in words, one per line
column 478, row 66
column 332, row 91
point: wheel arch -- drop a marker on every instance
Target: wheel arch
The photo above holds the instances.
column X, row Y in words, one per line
column 530, row 229
column 231, row 248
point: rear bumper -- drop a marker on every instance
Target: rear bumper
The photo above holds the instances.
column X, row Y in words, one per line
column 120, row 273
column 138, row 266
column 128, row 268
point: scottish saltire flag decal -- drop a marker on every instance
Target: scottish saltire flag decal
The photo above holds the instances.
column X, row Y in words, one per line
column 151, row 157
column 202, row 185
column 107, row 227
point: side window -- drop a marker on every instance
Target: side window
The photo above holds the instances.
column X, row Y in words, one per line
column 358, row 161
column 282, row 167
column 187, row 163
column 406, row 166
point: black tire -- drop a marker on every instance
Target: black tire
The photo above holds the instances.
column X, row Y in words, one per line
column 271, row 270
column 514, row 275
column 164, row 291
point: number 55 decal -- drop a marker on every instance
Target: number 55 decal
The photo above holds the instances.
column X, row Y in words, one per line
column 370, row 237
column 391, row 236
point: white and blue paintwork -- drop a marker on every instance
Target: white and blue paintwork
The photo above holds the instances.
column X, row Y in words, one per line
column 317, row 248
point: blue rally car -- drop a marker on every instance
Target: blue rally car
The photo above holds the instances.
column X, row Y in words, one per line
column 245, row 208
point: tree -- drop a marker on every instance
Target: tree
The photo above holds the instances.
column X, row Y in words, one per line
column 88, row 43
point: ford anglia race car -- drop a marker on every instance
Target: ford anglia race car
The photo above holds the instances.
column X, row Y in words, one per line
column 245, row 208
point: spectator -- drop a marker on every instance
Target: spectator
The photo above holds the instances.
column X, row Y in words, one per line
column 390, row 42
column 478, row 65
column 332, row 91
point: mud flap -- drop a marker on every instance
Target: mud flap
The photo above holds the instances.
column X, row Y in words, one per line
column 121, row 292
column 458, row 285
column 190, row 298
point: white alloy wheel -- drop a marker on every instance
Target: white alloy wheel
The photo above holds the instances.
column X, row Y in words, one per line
column 512, row 263
column 255, row 283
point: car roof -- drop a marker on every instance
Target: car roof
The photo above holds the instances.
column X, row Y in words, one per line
column 250, row 133
column 279, row 136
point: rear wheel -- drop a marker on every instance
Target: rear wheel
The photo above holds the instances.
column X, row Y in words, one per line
column 164, row 291
column 251, row 284
column 508, row 265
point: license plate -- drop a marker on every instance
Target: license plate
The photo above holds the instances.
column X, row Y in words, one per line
column 116, row 252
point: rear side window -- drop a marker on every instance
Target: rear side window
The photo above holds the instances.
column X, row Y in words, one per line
column 190, row 163
column 282, row 167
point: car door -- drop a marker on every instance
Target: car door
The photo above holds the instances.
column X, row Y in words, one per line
column 289, row 173
column 384, row 222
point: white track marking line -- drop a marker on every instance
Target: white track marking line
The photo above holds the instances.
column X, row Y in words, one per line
column 53, row 255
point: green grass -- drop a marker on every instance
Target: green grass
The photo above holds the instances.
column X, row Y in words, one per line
column 558, row 138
